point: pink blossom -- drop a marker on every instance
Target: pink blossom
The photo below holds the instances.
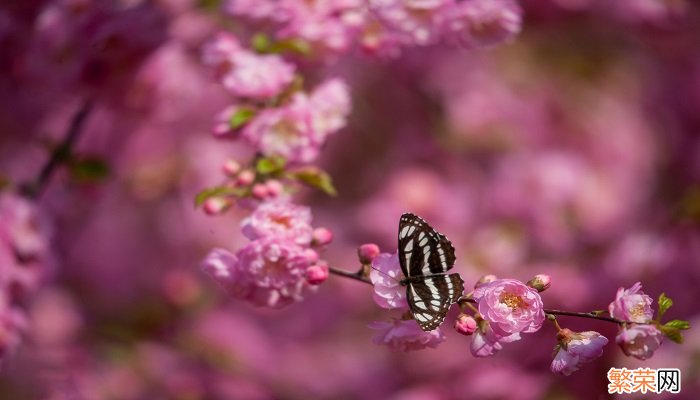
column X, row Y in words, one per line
column 279, row 219
column 385, row 276
column 405, row 335
column 632, row 305
column 417, row 22
column 322, row 236
column 331, row 105
column 639, row 341
column 286, row 131
column 477, row 23
column 510, row 306
column 367, row 253
column 317, row 273
column 245, row 73
column 576, row 349
column 465, row 324
column 485, row 342
column 266, row 272
column 222, row 122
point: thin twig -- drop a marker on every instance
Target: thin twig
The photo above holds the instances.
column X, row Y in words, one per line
column 62, row 151
column 352, row 275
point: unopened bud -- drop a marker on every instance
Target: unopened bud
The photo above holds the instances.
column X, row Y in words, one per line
column 484, row 280
column 311, row 255
column 216, row 205
column 367, row 252
column 246, row 177
column 540, row 282
column 322, row 236
column 274, row 187
column 317, row 273
column 260, row 191
column 231, row 168
column 465, row 324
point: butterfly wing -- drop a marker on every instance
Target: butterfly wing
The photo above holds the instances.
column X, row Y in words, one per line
column 423, row 250
column 430, row 298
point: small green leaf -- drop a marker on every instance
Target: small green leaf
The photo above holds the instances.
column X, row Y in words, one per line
column 261, row 43
column 270, row 165
column 217, row 191
column 316, row 178
column 293, row 45
column 88, row 169
column 664, row 304
column 677, row 324
column 241, row 117
column 673, row 334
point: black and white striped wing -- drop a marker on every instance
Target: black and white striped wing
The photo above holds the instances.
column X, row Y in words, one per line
column 430, row 298
column 423, row 250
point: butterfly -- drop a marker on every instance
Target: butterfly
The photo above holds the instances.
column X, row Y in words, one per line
column 425, row 256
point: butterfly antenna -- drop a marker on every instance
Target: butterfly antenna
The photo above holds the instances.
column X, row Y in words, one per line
column 385, row 274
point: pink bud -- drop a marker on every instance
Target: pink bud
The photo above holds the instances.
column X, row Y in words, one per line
column 322, row 236
column 317, row 273
column 260, row 191
column 465, row 324
column 540, row 282
column 367, row 252
column 311, row 255
column 216, row 205
column 246, row 177
column 231, row 168
column 274, row 187
column 485, row 279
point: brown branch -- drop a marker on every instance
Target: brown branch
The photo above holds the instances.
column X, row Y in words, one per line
column 358, row 276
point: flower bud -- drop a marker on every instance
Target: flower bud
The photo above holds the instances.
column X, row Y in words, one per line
column 274, row 187
column 231, row 168
column 367, row 252
column 246, row 177
column 322, row 236
column 317, row 273
column 465, row 324
column 540, row 282
column 216, row 205
column 260, row 191
column 311, row 255
column 484, row 280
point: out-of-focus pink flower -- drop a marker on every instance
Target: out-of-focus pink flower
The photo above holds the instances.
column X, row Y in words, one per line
column 632, row 305
column 21, row 227
column 405, row 335
column 510, row 306
column 488, row 278
column 331, row 106
column 639, row 341
column 416, row 22
column 465, row 324
column 317, row 273
column 269, row 271
column 576, row 349
column 367, row 252
column 385, row 276
column 322, row 236
column 285, row 131
column 279, row 219
column 485, row 342
column 216, row 205
column 245, row 73
column 222, row 122
column 478, row 23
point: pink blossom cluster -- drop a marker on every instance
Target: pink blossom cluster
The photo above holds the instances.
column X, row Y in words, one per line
column 638, row 338
column 385, row 26
column 281, row 262
column 24, row 257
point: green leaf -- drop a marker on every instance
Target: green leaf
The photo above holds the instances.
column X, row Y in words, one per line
column 677, row 324
column 241, row 117
column 88, row 169
column 315, row 178
column 664, row 304
column 293, row 45
column 261, row 43
column 217, row 191
column 270, row 165
column 672, row 333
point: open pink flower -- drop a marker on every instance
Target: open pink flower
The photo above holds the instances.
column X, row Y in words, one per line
column 331, row 106
column 510, row 306
column 405, row 335
column 269, row 271
column 485, row 342
column 639, row 341
column 478, row 23
column 385, row 276
column 576, row 349
column 632, row 305
column 279, row 219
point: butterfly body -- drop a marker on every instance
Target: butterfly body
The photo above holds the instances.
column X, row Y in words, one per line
column 426, row 256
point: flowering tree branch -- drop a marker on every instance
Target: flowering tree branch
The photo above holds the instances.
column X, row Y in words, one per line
column 61, row 152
